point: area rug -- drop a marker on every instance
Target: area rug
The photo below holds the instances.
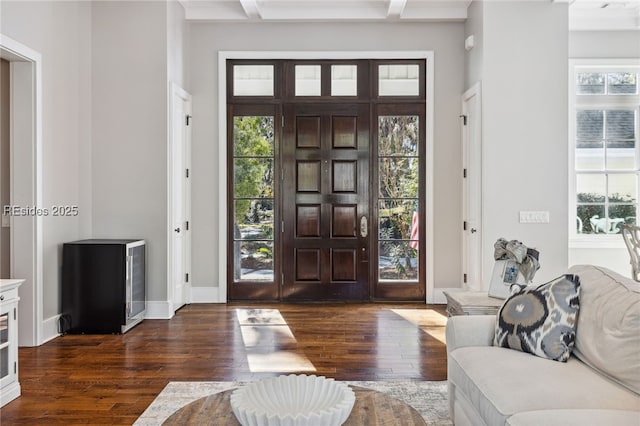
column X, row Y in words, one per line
column 428, row 398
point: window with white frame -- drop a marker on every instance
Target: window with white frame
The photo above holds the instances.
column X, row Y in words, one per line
column 604, row 148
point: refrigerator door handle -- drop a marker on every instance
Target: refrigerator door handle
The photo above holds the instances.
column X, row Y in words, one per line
column 128, row 286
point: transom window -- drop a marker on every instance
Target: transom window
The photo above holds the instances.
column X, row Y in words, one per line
column 604, row 142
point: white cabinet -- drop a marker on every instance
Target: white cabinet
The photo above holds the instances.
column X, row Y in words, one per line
column 9, row 385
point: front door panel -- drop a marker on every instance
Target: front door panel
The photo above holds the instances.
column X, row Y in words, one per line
column 325, row 202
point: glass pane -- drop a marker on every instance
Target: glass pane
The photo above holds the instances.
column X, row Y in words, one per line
column 588, row 218
column 398, row 177
column 398, row 219
column 253, row 177
column 622, row 83
column 589, row 155
column 589, row 124
column 344, row 80
column 590, row 83
column 253, row 219
column 398, row 135
column 253, row 80
column 620, row 124
column 308, row 80
column 397, row 261
column 253, row 260
column 621, row 155
column 4, row 362
column 590, row 188
column 623, row 188
column 253, row 136
column 619, row 214
column 398, row 80
column 4, row 329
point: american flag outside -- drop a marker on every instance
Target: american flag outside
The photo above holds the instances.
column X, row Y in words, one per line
column 415, row 231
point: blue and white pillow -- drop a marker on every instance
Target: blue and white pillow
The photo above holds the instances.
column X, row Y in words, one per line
column 541, row 320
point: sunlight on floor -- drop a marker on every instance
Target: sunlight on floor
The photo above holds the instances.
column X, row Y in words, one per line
column 431, row 322
column 270, row 344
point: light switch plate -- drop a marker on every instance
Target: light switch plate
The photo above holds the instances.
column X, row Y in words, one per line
column 534, row 217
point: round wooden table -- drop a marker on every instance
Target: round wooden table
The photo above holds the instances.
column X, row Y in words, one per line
column 371, row 408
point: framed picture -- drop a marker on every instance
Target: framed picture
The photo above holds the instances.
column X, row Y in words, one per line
column 505, row 273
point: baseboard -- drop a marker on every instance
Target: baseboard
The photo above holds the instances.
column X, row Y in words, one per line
column 438, row 297
column 50, row 328
column 206, row 295
column 159, row 309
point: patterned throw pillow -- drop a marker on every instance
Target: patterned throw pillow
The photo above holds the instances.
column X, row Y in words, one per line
column 541, row 320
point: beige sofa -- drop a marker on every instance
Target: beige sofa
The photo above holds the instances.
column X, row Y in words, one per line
column 599, row 385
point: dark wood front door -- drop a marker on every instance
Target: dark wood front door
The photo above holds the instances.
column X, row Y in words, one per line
column 326, row 223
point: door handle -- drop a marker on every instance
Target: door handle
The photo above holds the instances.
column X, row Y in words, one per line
column 364, row 227
column 177, row 230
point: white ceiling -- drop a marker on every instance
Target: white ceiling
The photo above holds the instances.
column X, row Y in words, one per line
column 584, row 14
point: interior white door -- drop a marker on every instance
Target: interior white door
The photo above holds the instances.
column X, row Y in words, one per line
column 472, row 189
column 180, row 196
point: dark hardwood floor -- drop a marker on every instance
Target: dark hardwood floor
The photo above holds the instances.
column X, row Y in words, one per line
column 111, row 379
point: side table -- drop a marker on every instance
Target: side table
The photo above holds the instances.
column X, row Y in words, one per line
column 471, row 303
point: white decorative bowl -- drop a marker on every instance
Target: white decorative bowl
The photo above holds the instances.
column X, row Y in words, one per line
column 293, row 400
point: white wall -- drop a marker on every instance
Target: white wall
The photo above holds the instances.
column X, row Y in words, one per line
column 129, row 129
column 58, row 30
column 5, row 175
column 604, row 44
column 474, row 26
column 177, row 38
column 206, row 39
column 524, row 89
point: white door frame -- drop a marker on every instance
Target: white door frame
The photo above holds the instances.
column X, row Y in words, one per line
column 222, row 143
column 26, row 184
column 472, row 182
column 178, row 94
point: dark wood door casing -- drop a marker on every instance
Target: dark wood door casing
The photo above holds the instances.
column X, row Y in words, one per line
column 325, row 181
column 325, row 197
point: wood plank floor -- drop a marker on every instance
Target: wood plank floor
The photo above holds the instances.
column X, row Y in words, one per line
column 111, row 379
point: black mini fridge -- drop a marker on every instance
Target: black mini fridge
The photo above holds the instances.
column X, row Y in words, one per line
column 103, row 286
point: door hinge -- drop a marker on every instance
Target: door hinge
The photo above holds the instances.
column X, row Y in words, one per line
column 186, row 278
column 186, row 225
column 464, row 119
column 187, row 119
column 464, row 278
column 464, row 173
column 15, row 314
column 15, row 367
column 282, row 226
column 282, row 174
column 186, row 173
column 464, row 225
column 282, row 120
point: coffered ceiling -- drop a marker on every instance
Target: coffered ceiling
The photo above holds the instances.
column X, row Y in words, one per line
column 583, row 14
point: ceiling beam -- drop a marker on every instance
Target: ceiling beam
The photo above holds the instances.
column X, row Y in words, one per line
column 396, row 7
column 251, row 9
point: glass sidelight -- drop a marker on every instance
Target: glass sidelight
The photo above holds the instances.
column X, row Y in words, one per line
column 398, row 197
column 253, row 198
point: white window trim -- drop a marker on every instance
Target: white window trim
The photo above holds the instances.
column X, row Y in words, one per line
column 430, row 135
column 596, row 65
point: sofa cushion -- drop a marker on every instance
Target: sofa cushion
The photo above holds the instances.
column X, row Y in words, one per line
column 500, row 382
column 541, row 320
column 608, row 338
column 575, row 418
